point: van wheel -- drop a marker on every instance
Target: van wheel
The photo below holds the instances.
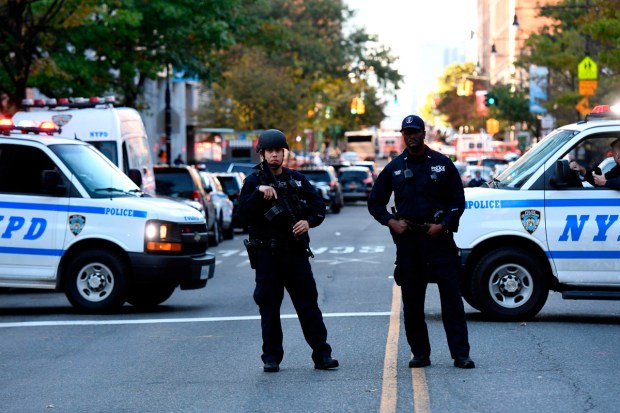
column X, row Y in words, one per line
column 96, row 280
column 508, row 284
column 146, row 296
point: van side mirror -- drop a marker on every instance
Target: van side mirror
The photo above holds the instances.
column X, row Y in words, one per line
column 51, row 183
column 136, row 177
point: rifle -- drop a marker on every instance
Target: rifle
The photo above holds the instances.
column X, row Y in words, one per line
column 289, row 205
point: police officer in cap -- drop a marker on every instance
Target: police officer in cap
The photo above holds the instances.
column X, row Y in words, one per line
column 429, row 201
column 280, row 257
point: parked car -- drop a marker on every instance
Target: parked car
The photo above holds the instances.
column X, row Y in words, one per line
column 370, row 165
column 223, row 205
column 184, row 182
column 326, row 176
column 246, row 168
column 356, row 183
column 231, row 184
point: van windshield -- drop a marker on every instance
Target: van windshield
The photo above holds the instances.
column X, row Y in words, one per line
column 100, row 177
column 520, row 172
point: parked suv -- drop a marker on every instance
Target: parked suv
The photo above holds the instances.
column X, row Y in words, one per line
column 356, row 182
column 324, row 179
column 231, row 184
column 184, row 182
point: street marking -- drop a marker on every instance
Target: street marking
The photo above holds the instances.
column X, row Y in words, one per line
column 171, row 320
column 421, row 399
column 389, row 390
column 342, row 260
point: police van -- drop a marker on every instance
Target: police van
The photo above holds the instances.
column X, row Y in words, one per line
column 70, row 220
column 539, row 226
column 118, row 132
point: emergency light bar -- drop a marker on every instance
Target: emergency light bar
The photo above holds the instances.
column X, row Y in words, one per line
column 604, row 112
column 49, row 128
column 76, row 102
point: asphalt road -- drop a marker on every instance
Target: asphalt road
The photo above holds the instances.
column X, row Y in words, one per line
column 200, row 350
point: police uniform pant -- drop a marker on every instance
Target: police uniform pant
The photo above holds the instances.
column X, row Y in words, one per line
column 417, row 257
column 290, row 270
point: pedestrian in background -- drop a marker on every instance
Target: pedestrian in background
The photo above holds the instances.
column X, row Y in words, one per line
column 476, row 180
column 279, row 252
column 429, row 200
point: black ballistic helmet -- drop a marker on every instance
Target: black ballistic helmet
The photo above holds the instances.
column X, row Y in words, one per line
column 271, row 139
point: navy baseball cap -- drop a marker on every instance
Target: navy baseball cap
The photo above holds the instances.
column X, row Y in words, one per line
column 412, row 122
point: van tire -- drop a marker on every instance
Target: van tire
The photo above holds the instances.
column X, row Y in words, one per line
column 508, row 284
column 146, row 295
column 96, row 281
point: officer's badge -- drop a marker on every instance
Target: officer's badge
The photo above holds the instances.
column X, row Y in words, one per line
column 530, row 219
column 61, row 120
column 76, row 223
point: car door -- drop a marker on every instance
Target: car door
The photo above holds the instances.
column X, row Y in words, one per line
column 33, row 224
column 583, row 225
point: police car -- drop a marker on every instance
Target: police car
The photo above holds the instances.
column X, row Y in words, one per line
column 70, row 220
column 540, row 226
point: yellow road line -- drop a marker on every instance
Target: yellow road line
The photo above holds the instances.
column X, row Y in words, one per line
column 389, row 390
column 421, row 399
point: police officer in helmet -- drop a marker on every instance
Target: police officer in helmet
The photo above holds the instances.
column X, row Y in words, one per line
column 429, row 201
column 279, row 254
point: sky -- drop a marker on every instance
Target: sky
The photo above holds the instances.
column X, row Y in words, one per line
column 418, row 32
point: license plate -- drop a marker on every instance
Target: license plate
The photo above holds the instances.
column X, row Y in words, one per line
column 353, row 186
column 204, row 273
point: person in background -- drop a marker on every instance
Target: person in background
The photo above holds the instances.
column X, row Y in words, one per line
column 476, row 180
column 280, row 251
column 429, row 200
column 178, row 161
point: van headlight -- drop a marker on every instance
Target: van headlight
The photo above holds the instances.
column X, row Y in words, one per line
column 162, row 236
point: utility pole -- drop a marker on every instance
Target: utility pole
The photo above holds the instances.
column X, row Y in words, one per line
column 167, row 118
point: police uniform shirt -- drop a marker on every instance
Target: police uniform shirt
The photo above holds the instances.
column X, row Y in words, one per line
column 422, row 186
column 253, row 206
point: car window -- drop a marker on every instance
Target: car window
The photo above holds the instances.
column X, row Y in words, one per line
column 21, row 169
column 174, row 183
column 229, row 184
column 353, row 175
column 317, row 176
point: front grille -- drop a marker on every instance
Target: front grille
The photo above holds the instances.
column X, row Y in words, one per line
column 194, row 238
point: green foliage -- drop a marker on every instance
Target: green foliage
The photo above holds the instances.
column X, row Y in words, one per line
column 95, row 47
column 579, row 29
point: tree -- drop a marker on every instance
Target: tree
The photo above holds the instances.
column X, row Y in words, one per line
column 578, row 30
column 93, row 47
column 459, row 111
column 324, row 69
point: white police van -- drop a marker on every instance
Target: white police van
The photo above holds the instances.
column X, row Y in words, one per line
column 118, row 132
column 540, row 226
column 71, row 220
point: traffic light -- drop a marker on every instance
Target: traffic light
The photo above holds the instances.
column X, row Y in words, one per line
column 490, row 99
column 357, row 106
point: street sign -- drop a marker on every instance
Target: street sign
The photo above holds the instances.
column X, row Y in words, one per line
column 587, row 69
column 583, row 106
column 588, row 87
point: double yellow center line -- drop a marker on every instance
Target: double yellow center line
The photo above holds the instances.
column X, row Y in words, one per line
column 389, row 390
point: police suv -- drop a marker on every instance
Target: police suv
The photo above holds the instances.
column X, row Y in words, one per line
column 70, row 220
column 539, row 226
